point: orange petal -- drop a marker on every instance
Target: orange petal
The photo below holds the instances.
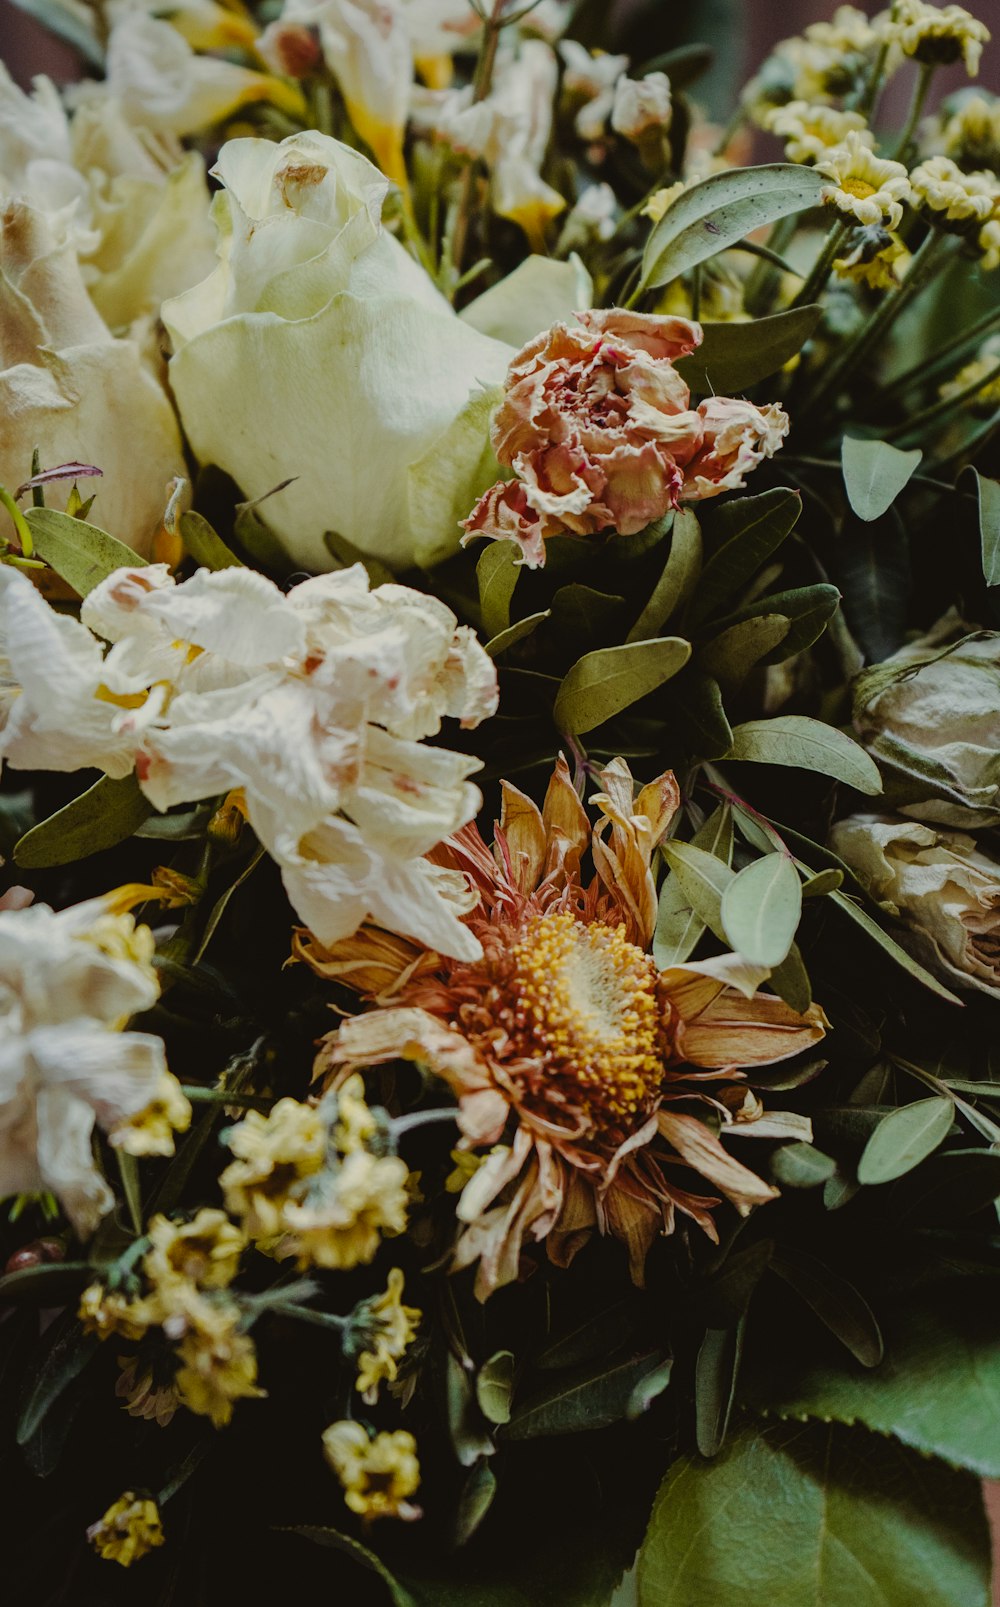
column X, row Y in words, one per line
column 698, row 1146
column 524, row 832
column 733, row 1031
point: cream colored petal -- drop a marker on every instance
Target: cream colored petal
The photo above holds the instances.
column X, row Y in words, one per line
column 524, row 832
column 699, row 1147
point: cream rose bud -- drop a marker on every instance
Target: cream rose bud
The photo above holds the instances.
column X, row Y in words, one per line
column 69, row 388
column 319, row 351
column 930, row 717
column 945, row 890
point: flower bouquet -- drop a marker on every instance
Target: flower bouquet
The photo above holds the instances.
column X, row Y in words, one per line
column 500, row 949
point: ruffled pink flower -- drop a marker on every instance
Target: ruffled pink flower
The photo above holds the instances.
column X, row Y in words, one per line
column 597, row 425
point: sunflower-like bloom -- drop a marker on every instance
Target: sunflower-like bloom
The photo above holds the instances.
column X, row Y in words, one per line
column 378, row 1475
column 809, row 131
column 866, row 187
column 958, row 201
column 589, row 1075
column 938, row 35
column 129, row 1529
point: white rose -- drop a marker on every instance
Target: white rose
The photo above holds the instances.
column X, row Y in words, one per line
column 68, row 387
column 934, row 725
column 319, row 349
column 942, row 887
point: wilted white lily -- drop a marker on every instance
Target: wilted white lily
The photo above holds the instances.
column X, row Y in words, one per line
column 319, row 349
column 68, row 982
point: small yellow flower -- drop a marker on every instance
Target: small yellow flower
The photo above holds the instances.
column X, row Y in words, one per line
column 970, row 133
column 205, row 1251
column 150, row 1131
column 950, row 196
column 467, row 1164
column 216, row 1371
column 938, row 35
column 273, row 1153
column 810, row 131
column 848, row 32
column 985, row 367
column 355, row 1123
column 340, row 1221
column 389, row 1327
column 878, row 259
column 104, row 1312
column 130, row 1527
column 118, row 936
column 989, row 245
column 378, row 1475
column 660, row 200
column 866, row 187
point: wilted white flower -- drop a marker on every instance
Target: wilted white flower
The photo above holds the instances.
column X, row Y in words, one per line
column 313, row 703
column 68, row 982
column 938, row 35
column 69, row 388
column 934, row 724
column 809, row 131
column 642, row 106
column 941, row 189
column 520, row 127
column 591, row 218
column 945, row 890
column 866, row 187
column 376, row 396
column 589, row 79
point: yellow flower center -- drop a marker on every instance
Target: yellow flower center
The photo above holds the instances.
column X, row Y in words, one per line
column 859, row 188
column 591, row 1003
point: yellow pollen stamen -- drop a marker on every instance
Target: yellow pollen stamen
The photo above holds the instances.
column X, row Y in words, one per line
column 591, row 1002
column 859, row 188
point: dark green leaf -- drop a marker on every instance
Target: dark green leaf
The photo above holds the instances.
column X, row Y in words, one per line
column 835, row 1301
column 468, row 1436
column 497, row 571
column 790, row 981
column 586, row 1398
column 719, row 211
column 79, row 552
column 724, row 1297
column 871, row 928
column 333, row 1539
column 677, row 580
column 597, row 1334
column 586, row 613
column 947, row 1187
column 716, row 1374
column 731, row 655
column 874, row 474
column 67, row 1351
column 808, row 610
column 696, row 716
column 52, row 1283
column 790, row 1516
column 805, row 744
column 347, row 554
column 516, row 633
column 748, row 530
column 103, row 816
column 478, row 1493
column 734, row 356
column 205, row 545
column 905, row 1138
column 603, row 683
column 875, row 574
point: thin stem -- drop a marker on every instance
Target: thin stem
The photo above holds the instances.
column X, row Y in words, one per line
column 422, row 1118
column 937, row 410
column 319, row 1319
column 198, row 1094
column 921, row 372
column 970, row 447
column 481, row 84
column 820, row 271
column 870, row 97
column 917, row 100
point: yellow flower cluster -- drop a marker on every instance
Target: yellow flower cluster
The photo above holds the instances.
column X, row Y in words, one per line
column 865, row 187
column 970, row 134
column 150, row 1131
column 810, row 131
column 305, row 1181
column 986, row 370
column 938, row 35
column 388, row 1328
column 378, row 1474
column 128, row 1530
column 957, row 201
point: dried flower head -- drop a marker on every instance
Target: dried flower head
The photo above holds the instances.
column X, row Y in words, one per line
column 962, row 200
column 938, row 35
column 129, row 1529
column 204, row 1251
column 384, row 1327
column 378, row 1474
column 877, row 258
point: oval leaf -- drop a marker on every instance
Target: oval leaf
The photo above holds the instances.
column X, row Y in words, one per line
column 748, row 531
column 874, row 474
column 80, row 553
column 496, row 574
column 703, row 880
column 103, row 816
column 988, row 494
column 495, row 1385
column 733, row 356
column 205, row 545
column 761, row 909
column 583, row 1400
column 804, row 744
column 720, row 210
column 905, row 1138
column 801, row 1166
column 677, row 579
column 836, row 1302
column 602, row 684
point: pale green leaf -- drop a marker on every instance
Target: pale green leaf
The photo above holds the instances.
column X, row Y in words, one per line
column 719, row 211
column 678, row 928
column 749, row 530
column 516, row 632
column 761, row 907
column 703, row 880
column 103, row 816
column 496, row 574
column 205, row 545
column 790, row 1516
column 734, row 356
column 79, row 552
column 677, row 580
column 905, row 1138
column 805, row 744
column 801, row 1166
column 988, row 496
column 495, row 1385
column 730, row 656
column 603, row 683
column 825, row 881
column 875, row 472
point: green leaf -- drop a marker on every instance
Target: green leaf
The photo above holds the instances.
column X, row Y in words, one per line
column 874, row 474
column 836, row 1302
column 469, row 1438
column 677, row 580
column 949, row 1186
column 749, row 530
column 761, row 907
column 51, row 1283
column 719, row 211
column 477, row 1496
column 205, row 545
column 731, row 655
column 790, row 981
column 103, row 816
column 878, row 935
column 804, row 744
column 495, row 1385
column 334, row 1540
column 67, row 1351
column 801, row 1166
column 938, row 1391
column 678, row 928
column 703, row 880
column 715, row 1385
column 807, row 609
column 695, row 715
column 603, row 683
column 905, row 1138
column 583, row 1399
column 79, row 552
column 496, row 574
column 597, row 1334
column 825, row 881
column 988, row 495
column 874, row 570
column 733, row 356
column 347, row 555
column 516, row 632
column 814, row 1517
column 585, row 612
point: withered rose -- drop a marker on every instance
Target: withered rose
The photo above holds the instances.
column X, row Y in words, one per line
column 598, row 427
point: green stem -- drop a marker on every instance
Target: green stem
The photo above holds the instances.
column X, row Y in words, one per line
column 422, row 1118
column 696, row 279
column 820, row 271
column 938, row 410
column 198, row 1094
column 19, row 521
column 870, row 97
column 917, row 100
column 920, row 373
column 319, row 1319
column 761, row 280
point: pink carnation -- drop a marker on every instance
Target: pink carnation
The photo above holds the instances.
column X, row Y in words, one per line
column 598, row 427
